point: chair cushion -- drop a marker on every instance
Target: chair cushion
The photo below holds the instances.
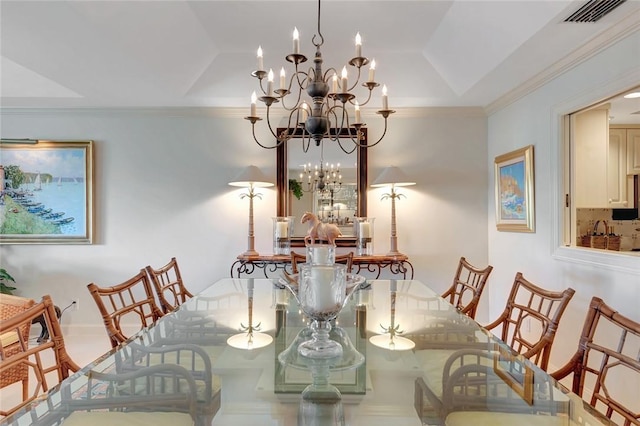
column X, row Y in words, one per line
column 110, row 418
column 482, row 418
column 8, row 338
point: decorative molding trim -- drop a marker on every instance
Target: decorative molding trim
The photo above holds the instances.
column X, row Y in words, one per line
column 625, row 27
column 627, row 263
column 234, row 112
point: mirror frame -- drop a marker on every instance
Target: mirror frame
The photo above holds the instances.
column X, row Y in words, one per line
column 282, row 180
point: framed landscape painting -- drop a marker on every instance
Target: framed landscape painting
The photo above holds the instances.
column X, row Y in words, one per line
column 514, row 191
column 46, row 192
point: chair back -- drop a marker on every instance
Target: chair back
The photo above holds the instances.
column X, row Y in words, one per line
column 346, row 259
column 607, row 364
column 118, row 304
column 467, row 287
column 10, row 306
column 530, row 319
column 35, row 359
column 168, row 285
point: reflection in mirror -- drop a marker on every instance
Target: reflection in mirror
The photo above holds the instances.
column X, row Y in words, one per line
column 333, row 199
column 344, row 194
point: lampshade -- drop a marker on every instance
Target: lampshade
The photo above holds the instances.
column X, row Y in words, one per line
column 392, row 175
column 251, row 176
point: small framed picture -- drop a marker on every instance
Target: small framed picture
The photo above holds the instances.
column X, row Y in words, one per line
column 514, row 191
column 46, row 192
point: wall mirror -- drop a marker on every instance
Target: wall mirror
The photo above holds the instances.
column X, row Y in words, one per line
column 342, row 199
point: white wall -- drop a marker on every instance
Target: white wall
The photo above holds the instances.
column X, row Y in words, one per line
column 535, row 120
column 161, row 191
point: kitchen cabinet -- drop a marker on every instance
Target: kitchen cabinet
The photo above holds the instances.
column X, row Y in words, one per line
column 602, row 160
column 590, row 138
column 633, row 151
column 619, row 185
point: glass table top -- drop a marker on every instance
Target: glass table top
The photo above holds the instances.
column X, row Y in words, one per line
column 438, row 363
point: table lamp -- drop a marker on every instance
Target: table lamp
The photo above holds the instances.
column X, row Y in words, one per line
column 392, row 176
column 251, row 177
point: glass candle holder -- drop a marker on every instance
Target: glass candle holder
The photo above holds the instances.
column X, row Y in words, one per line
column 321, row 254
column 364, row 235
column 282, row 230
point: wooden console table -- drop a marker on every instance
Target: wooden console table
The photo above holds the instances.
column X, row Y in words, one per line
column 370, row 266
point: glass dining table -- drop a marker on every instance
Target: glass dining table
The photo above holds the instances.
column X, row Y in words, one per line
column 409, row 358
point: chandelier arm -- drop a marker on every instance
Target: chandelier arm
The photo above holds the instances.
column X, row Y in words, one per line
column 352, row 101
column 361, row 145
column 253, row 127
column 345, row 150
column 305, row 149
column 356, row 81
column 264, row 92
column 301, row 84
column 325, row 77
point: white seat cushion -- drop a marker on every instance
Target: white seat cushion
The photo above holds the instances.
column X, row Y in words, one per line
column 8, row 338
column 110, row 418
column 482, row 418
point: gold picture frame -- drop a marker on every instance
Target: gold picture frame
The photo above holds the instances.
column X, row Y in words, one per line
column 514, row 191
column 46, row 192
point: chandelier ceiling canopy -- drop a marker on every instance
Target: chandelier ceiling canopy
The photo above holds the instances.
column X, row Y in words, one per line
column 324, row 112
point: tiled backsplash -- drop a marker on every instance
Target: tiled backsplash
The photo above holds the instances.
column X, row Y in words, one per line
column 629, row 230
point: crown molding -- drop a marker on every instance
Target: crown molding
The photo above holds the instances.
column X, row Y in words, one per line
column 230, row 112
column 627, row 26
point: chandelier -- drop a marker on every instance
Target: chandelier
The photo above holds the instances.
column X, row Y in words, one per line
column 325, row 113
column 326, row 178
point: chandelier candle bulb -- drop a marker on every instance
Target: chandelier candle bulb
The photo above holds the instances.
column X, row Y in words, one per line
column 357, row 107
column 270, row 83
column 254, row 98
column 358, row 46
column 334, row 84
column 385, row 99
column 305, row 112
column 296, row 41
column 345, row 87
column 372, row 71
column 260, row 59
column 282, row 79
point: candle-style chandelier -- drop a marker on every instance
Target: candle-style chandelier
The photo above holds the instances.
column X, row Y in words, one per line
column 326, row 115
column 324, row 178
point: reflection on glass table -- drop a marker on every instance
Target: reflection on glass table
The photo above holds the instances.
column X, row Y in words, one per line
column 454, row 367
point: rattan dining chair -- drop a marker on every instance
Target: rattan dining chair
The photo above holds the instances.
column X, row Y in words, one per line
column 530, row 307
column 158, row 395
column 34, row 359
column 607, row 359
column 130, row 299
column 527, row 306
column 468, row 285
column 168, row 285
column 11, row 306
column 346, row 259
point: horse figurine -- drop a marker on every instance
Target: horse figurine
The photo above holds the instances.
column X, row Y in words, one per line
column 319, row 230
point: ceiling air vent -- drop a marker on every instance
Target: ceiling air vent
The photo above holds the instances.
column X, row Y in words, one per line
column 593, row 10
